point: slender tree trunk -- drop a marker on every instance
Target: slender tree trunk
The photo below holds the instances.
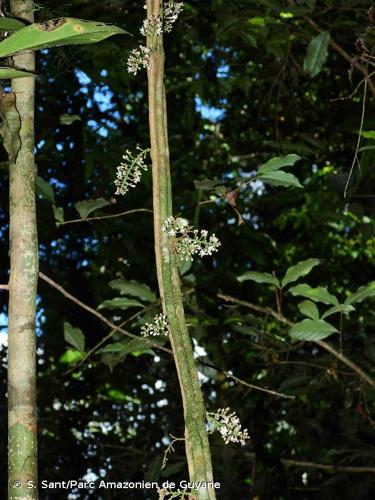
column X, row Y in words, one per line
column 22, row 444
column 196, row 440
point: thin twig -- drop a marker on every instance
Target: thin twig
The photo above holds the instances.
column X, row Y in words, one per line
column 258, row 388
column 98, row 315
column 169, row 449
column 324, row 345
column 355, row 159
column 89, row 219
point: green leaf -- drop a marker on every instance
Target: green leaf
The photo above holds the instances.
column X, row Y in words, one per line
column 368, row 134
column 69, row 119
column 58, row 213
column 133, row 289
column 311, row 329
column 120, row 303
column 10, row 24
column 74, row 337
column 9, row 73
column 84, row 208
column 309, row 309
column 71, row 356
column 337, row 309
column 318, row 294
column 258, row 278
column 44, row 189
column 280, row 178
column 317, row 54
column 63, row 31
column 278, row 162
column 298, row 270
column 364, row 292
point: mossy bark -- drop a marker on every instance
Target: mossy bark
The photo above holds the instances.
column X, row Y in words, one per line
column 196, row 440
column 22, row 443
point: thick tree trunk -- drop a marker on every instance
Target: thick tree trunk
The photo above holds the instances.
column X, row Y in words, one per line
column 22, row 444
column 196, row 440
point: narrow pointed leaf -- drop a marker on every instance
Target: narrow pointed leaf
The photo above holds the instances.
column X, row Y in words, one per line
column 9, row 73
column 279, row 162
column 299, row 270
column 258, row 278
column 280, row 178
column 120, row 303
column 10, row 24
column 311, row 329
column 10, row 125
column 364, row 292
column 63, row 31
column 84, row 208
column 317, row 54
column 309, row 309
column 318, row 294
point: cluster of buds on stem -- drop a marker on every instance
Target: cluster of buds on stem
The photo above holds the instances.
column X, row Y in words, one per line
column 188, row 241
column 229, row 426
column 160, row 326
column 129, row 172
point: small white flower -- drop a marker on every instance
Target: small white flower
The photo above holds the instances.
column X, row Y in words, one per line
column 152, row 26
column 160, row 326
column 139, row 58
column 189, row 241
column 229, row 426
column 171, row 12
column 129, row 172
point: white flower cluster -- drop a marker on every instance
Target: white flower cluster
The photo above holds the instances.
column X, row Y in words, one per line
column 171, row 12
column 158, row 327
column 139, row 58
column 129, row 172
column 152, row 26
column 189, row 241
column 229, row 426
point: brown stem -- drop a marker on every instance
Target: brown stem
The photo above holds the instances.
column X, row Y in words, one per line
column 90, row 219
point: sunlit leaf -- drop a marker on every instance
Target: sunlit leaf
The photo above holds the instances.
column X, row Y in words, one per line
column 318, row 294
column 299, row 270
column 258, row 278
column 63, row 31
column 10, row 24
column 280, row 178
column 9, row 73
column 309, row 309
column 311, row 329
column 364, row 292
column 71, row 356
column 69, row 119
column 279, row 162
column 120, row 303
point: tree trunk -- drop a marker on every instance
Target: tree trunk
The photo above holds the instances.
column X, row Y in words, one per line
column 196, row 440
column 22, row 444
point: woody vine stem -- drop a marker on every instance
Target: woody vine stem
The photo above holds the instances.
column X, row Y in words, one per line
column 196, row 440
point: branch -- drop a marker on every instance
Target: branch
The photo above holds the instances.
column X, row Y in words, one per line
column 98, row 315
column 324, row 345
column 89, row 219
column 4, row 287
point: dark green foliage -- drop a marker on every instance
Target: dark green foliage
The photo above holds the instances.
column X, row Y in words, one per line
column 245, row 58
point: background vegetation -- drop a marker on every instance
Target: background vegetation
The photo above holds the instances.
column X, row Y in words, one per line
column 239, row 92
